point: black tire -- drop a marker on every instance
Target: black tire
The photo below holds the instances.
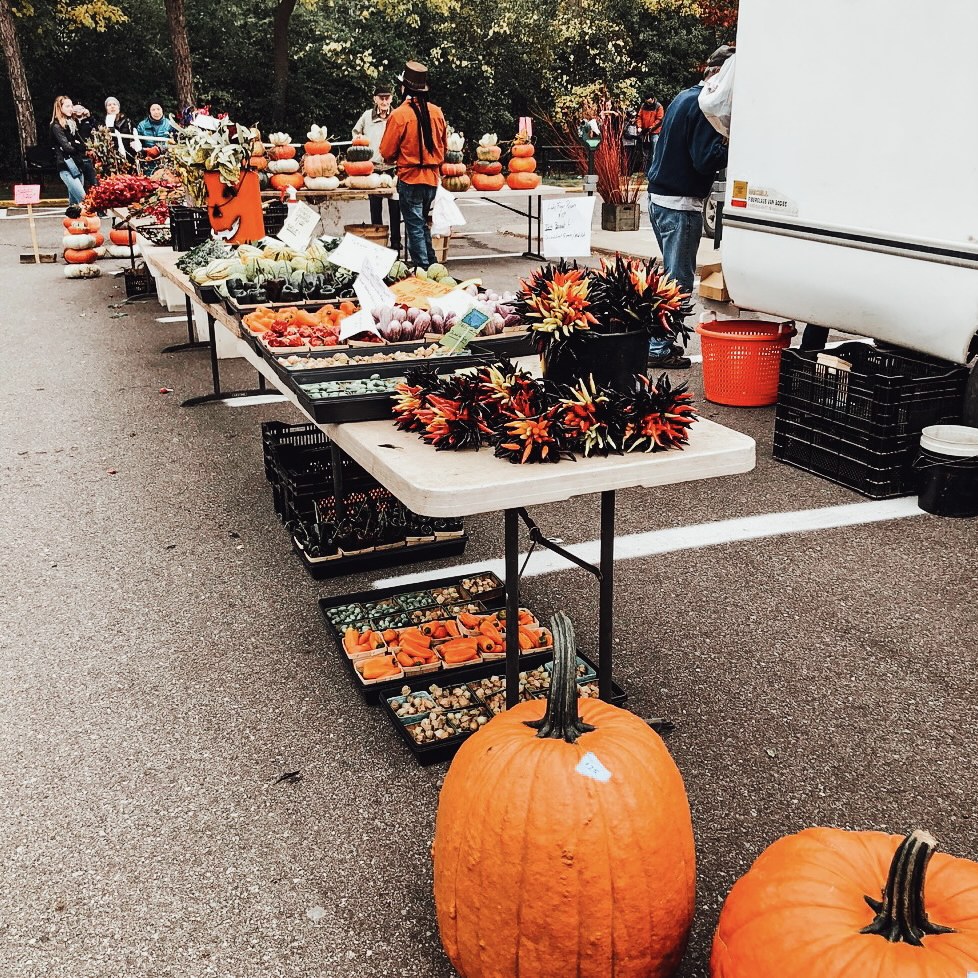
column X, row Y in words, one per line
column 709, row 217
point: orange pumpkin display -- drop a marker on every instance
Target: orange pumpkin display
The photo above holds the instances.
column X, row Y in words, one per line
column 317, row 147
column 358, row 168
column 520, row 149
column 282, row 152
column 280, row 181
column 522, row 164
column 81, row 225
column 485, row 181
column 80, row 256
column 808, row 906
column 321, row 165
column 563, row 842
column 523, row 181
column 236, row 209
column 258, row 163
column 452, row 169
column 118, row 236
column 488, row 168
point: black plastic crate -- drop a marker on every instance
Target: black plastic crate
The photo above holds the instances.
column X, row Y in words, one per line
column 444, row 750
column 860, row 427
column 346, row 564
column 189, row 227
column 139, row 281
column 276, row 433
column 274, row 216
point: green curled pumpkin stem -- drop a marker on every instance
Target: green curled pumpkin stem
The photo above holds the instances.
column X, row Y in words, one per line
column 900, row 915
column 561, row 721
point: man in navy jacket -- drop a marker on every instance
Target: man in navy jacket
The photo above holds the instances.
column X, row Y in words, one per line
column 689, row 154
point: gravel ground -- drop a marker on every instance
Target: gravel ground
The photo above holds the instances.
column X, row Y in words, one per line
column 162, row 662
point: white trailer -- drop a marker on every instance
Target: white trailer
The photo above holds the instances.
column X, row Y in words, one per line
column 852, row 182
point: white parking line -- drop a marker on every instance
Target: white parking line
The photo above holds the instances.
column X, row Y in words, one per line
column 636, row 545
column 171, row 319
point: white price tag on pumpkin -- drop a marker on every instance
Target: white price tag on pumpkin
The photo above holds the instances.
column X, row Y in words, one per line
column 359, row 322
column 592, row 768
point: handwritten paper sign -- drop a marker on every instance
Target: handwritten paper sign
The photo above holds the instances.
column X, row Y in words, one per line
column 359, row 322
column 297, row 230
column 27, row 193
column 457, row 301
column 418, row 291
column 353, row 249
column 567, row 227
column 370, row 288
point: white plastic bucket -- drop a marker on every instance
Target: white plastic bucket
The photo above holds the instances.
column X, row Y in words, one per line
column 958, row 440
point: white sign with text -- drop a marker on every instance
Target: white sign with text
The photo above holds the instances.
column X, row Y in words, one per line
column 298, row 228
column 566, row 227
column 352, row 250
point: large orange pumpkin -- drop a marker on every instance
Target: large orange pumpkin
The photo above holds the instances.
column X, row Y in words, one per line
column 522, row 150
column 119, row 236
column 282, row 180
column 484, row 181
column 563, row 843
column 452, row 169
column 522, row 164
column 258, row 163
column 809, row 907
column 523, row 181
column 317, row 147
column 80, row 256
column 282, row 152
column 358, row 168
column 486, row 167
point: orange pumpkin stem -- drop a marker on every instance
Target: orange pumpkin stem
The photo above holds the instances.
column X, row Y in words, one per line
column 562, row 721
column 900, row 915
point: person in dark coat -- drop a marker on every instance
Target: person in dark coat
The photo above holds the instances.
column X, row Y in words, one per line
column 121, row 126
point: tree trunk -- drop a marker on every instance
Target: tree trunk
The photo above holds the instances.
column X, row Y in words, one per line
column 23, row 108
column 280, row 56
column 176, row 21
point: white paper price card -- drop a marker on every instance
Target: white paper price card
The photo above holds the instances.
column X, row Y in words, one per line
column 297, row 230
column 592, row 768
column 370, row 288
column 359, row 322
column 566, row 224
column 352, row 250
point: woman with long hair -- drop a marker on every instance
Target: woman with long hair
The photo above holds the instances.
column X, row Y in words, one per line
column 69, row 149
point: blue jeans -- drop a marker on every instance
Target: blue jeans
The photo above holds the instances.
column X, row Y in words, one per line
column 76, row 189
column 416, row 200
column 678, row 235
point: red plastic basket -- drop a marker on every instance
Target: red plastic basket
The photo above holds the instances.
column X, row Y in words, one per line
column 742, row 359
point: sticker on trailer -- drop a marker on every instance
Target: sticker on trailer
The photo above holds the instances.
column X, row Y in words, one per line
column 744, row 194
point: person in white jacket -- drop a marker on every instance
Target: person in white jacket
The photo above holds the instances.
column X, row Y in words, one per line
column 372, row 124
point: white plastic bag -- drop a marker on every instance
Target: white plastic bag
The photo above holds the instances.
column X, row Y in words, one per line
column 716, row 97
column 445, row 214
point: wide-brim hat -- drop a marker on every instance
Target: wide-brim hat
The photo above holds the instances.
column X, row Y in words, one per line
column 414, row 76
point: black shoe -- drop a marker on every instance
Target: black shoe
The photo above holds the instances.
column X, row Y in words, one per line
column 669, row 361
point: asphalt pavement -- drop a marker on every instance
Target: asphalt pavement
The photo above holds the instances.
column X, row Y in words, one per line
column 163, row 663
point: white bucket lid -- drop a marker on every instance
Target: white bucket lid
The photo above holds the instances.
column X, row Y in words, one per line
column 950, row 439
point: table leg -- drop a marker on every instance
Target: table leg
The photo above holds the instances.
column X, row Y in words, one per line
column 512, row 550
column 191, row 343
column 606, row 603
column 218, row 394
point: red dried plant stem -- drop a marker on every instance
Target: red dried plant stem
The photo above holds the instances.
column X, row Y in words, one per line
column 612, row 163
column 566, row 138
